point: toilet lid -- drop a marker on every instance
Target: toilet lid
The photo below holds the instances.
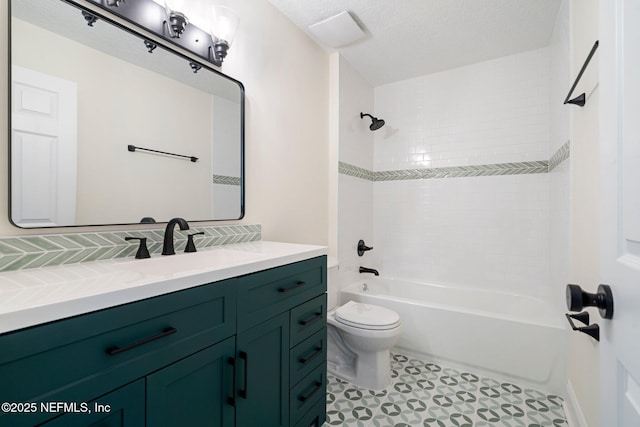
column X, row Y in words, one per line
column 367, row 316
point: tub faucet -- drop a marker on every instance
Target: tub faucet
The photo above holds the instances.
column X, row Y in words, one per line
column 167, row 247
column 368, row 270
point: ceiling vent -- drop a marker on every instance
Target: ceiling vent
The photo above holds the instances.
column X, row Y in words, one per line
column 337, row 31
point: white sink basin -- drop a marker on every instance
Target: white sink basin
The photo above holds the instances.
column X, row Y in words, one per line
column 189, row 263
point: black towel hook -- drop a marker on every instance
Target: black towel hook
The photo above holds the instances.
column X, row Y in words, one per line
column 582, row 98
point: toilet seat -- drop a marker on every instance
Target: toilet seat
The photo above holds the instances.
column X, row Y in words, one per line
column 367, row 316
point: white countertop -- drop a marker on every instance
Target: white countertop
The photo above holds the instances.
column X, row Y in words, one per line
column 35, row 296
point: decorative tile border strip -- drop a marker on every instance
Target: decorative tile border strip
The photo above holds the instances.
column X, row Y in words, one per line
column 448, row 172
column 21, row 252
column 462, row 171
column 560, row 156
column 542, row 166
column 355, row 171
column 226, row 180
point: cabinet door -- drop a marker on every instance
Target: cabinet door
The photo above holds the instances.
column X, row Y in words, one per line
column 121, row 408
column 194, row 391
column 263, row 374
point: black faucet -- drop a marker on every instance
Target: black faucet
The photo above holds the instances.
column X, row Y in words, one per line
column 362, row 248
column 369, row 270
column 167, row 247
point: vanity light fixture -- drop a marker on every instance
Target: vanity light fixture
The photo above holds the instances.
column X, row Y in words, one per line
column 223, row 29
column 202, row 29
column 176, row 19
column 223, row 25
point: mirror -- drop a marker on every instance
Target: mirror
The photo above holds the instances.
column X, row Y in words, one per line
column 97, row 113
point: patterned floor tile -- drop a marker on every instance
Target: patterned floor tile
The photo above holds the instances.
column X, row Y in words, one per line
column 423, row 393
column 444, row 417
column 499, row 412
column 335, row 388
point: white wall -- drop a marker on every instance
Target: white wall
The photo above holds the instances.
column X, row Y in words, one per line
column 560, row 80
column 560, row 177
column 355, row 195
column 286, row 76
column 488, row 232
column 584, row 266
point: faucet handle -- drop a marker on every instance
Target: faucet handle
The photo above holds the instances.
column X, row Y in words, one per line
column 143, row 252
column 362, row 248
column 191, row 246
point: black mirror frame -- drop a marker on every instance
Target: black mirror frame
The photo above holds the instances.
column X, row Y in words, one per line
column 93, row 16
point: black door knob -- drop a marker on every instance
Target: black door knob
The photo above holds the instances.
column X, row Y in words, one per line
column 577, row 299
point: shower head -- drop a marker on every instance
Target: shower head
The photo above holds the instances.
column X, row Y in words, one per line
column 375, row 122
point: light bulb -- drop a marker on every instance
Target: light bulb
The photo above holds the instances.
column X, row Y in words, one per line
column 224, row 24
column 177, row 18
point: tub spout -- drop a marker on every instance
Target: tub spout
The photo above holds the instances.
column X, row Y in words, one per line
column 368, row 270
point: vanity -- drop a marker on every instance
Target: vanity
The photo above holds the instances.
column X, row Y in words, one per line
column 229, row 336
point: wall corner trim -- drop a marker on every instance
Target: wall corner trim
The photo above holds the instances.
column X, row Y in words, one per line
column 572, row 410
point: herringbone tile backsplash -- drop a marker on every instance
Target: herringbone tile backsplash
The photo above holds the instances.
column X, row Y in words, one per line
column 23, row 252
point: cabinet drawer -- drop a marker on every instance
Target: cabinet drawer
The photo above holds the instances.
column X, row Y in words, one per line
column 308, row 318
column 83, row 357
column 308, row 392
column 268, row 293
column 315, row 417
column 307, row 355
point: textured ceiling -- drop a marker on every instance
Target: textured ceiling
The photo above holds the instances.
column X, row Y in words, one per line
column 410, row 38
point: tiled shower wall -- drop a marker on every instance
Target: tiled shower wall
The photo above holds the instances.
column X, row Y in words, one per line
column 561, row 79
column 479, row 231
column 491, row 112
column 508, row 232
column 488, row 232
column 355, row 195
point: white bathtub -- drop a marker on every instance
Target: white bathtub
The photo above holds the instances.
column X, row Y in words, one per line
column 517, row 337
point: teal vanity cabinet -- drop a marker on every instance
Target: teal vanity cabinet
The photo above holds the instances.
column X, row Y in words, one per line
column 246, row 351
column 193, row 391
column 126, row 408
column 87, row 358
column 263, row 377
column 277, row 310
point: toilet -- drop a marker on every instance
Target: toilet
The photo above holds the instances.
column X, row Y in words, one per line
column 359, row 339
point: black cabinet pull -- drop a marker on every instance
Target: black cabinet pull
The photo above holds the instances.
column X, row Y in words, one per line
column 232, row 400
column 311, row 319
column 243, row 355
column 115, row 349
column 290, row 288
column 317, row 387
column 305, row 360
